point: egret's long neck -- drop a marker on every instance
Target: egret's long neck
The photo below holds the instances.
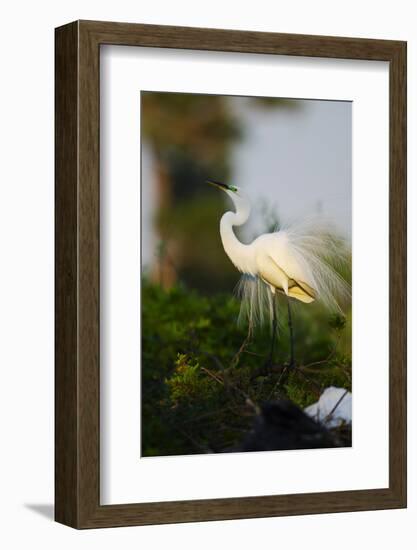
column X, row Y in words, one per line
column 237, row 251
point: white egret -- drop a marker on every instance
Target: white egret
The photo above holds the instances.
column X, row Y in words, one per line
column 296, row 261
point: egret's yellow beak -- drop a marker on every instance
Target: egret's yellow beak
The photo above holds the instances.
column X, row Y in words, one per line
column 218, row 184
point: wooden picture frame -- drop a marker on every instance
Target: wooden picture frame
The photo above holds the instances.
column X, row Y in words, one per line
column 77, row 382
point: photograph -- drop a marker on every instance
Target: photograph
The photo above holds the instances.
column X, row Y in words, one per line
column 246, row 294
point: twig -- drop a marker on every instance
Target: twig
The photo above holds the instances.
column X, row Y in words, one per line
column 252, row 353
column 245, row 342
column 283, row 377
column 328, row 358
column 212, row 375
column 315, row 387
column 314, row 384
column 238, row 390
column 276, row 387
column 214, row 358
column 265, row 370
column 335, row 407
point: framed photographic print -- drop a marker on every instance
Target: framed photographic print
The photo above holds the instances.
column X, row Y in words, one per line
column 230, row 274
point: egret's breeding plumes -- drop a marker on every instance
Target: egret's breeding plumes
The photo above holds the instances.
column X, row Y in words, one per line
column 297, row 261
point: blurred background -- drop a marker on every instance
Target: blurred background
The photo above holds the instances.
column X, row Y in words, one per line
column 292, row 157
column 199, row 368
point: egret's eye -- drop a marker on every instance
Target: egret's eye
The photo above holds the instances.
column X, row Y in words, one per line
column 234, row 189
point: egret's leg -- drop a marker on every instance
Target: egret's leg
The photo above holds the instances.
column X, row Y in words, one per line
column 274, row 328
column 290, row 327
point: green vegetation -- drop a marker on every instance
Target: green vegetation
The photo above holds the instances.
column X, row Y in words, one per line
column 203, row 377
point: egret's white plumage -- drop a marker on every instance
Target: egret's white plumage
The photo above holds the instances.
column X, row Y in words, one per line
column 297, row 260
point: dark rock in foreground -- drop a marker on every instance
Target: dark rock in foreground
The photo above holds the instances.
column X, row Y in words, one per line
column 282, row 425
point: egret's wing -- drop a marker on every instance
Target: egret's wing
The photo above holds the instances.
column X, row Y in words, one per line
column 320, row 254
column 277, row 247
column 273, row 274
column 301, row 291
column 300, row 261
column 310, row 255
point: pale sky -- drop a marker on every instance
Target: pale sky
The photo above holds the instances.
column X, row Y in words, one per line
column 297, row 160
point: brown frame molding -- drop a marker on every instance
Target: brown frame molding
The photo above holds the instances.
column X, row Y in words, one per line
column 77, row 274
